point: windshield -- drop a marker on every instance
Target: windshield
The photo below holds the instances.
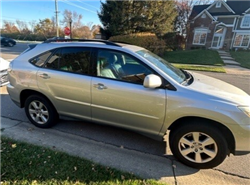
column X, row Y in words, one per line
column 170, row 70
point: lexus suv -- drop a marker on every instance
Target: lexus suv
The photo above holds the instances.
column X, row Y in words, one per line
column 128, row 86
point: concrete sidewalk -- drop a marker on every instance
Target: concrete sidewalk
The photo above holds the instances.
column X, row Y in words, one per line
column 147, row 166
column 231, row 66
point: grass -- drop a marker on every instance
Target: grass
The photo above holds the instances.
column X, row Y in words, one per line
column 217, row 69
column 200, row 57
column 25, row 164
column 243, row 57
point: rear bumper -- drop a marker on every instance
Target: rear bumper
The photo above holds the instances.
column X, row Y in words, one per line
column 14, row 95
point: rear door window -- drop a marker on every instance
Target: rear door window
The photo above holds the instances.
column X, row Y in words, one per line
column 70, row 59
column 41, row 59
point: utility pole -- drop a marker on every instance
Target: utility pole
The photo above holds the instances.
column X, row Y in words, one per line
column 70, row 26
column 57, row 29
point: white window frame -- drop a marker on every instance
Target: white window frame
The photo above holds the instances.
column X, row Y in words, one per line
column 243, row 19
column 218, row 4
column 241, row 41
column 200, row 31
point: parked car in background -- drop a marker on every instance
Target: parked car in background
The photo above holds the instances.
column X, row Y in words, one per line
column 130, row 87
column 4, row 65
column 7, row 41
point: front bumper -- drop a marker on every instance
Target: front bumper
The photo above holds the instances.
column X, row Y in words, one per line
column 242, row 139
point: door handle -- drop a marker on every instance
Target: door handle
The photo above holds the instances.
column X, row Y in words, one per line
column 100, row 86
column 44, row 76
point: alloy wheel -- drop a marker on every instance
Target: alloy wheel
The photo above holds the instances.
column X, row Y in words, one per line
column 38, row 112
column 198, row 147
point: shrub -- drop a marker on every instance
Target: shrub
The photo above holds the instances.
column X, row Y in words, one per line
column 198, row 47
column 174, row 41
column 146, row 40
column 24, row 36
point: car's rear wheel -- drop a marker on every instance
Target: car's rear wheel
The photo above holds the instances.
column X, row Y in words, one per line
column 198, row 145
column 40, row 111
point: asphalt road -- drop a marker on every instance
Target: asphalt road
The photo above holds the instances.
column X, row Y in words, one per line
column 237, row 166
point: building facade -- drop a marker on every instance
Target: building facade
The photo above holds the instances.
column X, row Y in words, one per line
column 220, row 25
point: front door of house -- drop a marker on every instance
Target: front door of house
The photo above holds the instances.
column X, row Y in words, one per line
column 219, row 36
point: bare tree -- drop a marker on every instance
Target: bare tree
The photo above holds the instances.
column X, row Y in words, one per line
column 9, row 27
column 45, row 28
column 95, row 29
column 74, row 17
column 184, row 8
column 32, row 25
column 22, row 26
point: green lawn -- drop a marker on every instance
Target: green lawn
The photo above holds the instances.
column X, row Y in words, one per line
column 199, row 60
column 243, row 57
column 217, row 69
column 201, row 57
column 25, row 164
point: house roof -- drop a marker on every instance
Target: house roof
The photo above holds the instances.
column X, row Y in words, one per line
column 239, row 7
column 223, row 13
column 197, row 9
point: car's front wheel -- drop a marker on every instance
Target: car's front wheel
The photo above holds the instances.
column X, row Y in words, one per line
column 198, row 145
column 40, row 111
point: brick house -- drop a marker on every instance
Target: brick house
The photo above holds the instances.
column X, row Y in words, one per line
column 220, row 25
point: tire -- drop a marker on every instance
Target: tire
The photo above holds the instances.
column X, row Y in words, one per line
column 40, row 111
column 199, row 146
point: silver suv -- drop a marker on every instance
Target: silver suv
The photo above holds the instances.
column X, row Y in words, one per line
column 130, row 87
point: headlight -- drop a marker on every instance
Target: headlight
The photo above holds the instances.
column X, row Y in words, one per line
column 10, row 67
column 245, row 109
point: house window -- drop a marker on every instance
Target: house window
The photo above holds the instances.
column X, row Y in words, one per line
column 241, row 40
column 200, row 37
column 246, row 22
column 218, row 4
column 204, row 16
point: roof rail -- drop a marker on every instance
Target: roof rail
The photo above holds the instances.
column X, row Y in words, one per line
column 82, row 40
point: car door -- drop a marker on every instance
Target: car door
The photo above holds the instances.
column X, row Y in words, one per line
column 119, row 97
column 64, row 78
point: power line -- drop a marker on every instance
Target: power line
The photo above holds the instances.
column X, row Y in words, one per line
column 87, row 4
column 72, row 4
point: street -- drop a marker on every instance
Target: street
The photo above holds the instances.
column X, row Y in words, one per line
column 234, row 167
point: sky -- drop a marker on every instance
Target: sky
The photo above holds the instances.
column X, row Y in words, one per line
column 29, row 10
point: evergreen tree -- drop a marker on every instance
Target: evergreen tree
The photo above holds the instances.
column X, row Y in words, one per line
column 125, row 17
column 111, row 17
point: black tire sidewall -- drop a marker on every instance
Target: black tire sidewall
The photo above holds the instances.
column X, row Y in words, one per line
column 211, row 131
column 53, row 116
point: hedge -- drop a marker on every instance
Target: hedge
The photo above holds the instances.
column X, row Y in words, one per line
column 145, row 40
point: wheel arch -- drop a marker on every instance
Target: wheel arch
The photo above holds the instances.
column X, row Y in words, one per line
column 26, row 93
column 222, row 128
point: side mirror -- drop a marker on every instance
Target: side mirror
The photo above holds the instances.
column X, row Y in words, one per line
column 152, row 81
